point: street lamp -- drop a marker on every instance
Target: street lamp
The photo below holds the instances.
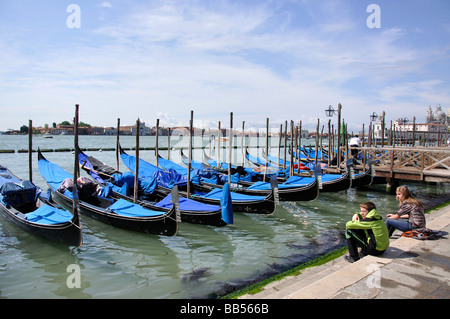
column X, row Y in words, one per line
column 330, row 111
column 373, row 117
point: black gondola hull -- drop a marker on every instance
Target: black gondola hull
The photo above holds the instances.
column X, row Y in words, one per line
column 264, row 206
column 363, row 180
column 339, row 184
column 68, row 233
column 212, row 218
column 302, row 193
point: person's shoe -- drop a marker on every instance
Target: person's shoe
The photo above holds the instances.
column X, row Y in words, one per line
column 350, row 259
column 362, row 254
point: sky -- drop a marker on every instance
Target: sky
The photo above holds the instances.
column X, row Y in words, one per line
column 283, row 60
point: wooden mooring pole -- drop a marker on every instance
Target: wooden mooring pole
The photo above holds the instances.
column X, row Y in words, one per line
column 76, row 166
column 117, row 145
column 230, row 148
column 188, row 184
column 136, row 170
column 30, row 150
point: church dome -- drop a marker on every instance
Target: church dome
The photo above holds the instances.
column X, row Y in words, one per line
column 439, row 116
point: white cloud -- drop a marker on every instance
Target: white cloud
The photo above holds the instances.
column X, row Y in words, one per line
column 106, row 5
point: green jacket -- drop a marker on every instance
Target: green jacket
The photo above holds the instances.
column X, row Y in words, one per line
column 372, row 224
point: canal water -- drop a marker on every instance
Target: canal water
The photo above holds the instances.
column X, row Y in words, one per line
column 200, row 262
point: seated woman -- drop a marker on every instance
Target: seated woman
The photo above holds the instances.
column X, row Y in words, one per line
column 410, row 214
column 367, row 231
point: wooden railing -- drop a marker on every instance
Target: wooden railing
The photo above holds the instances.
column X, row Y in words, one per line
column 418, row 163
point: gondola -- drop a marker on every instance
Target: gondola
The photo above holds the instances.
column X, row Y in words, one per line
column 360, row 179
column 282, row 168
column 309, row 154
column 116, row 212
column 364, row 178
column 300, row 190
column 247, row 175
column 211, row 163
column 205, row 194
column 191, row 211
column 34, row 211
column 303, row 166
column 272, row 162
column 329, row 182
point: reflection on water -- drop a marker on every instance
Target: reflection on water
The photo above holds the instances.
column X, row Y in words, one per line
column 201, row 261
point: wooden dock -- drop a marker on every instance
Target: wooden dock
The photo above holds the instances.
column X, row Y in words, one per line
column 429, row 164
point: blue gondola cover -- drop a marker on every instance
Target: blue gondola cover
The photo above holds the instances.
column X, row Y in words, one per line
column 48, row 215
column 18, row 194
column 226, row 203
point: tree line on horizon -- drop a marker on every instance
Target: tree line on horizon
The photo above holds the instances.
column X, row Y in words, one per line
column 24, row 128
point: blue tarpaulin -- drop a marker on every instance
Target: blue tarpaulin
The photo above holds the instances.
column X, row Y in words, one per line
column 48, row 215
column 18, row 193
column 148, row 171
column 125, row 208
column 216, row 193
column 186, row 204
column 226, row 203
column 291, row 182
column 52, row 173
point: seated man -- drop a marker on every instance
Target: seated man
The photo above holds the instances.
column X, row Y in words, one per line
column 367, row 231
column 354, row 142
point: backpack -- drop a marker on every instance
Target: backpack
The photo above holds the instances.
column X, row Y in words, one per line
column 423, row 234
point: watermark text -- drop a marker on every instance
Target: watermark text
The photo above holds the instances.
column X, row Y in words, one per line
column 73, row 21
column 374, row 19
column 74, row 279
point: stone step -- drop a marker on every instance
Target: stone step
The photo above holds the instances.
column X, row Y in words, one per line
column 278, row 289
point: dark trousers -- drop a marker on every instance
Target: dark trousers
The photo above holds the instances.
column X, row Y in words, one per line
column 353, row 152
column 357, row 238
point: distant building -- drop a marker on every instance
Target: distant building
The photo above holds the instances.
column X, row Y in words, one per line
column 378, row 129
column 62, row 130
column 131, row 130
column 435, row 128
column 406, row 129
column 110, row 131
column 438, row 116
